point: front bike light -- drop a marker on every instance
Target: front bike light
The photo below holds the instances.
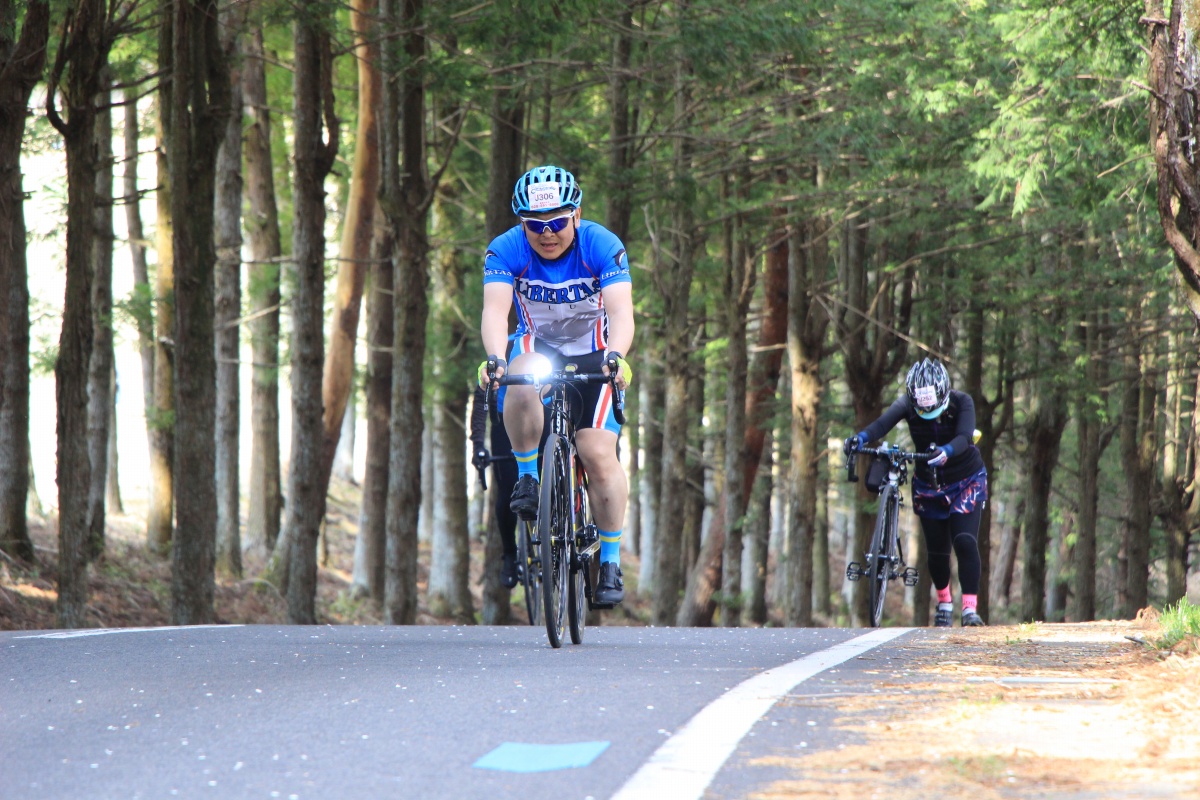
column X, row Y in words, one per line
column 541, row 369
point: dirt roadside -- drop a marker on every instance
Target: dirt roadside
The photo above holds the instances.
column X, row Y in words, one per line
column 1063, row 711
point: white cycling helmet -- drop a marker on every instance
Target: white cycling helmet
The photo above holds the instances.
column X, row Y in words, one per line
column 928, row 386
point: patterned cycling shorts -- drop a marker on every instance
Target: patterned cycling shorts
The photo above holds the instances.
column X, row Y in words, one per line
column 961, row 497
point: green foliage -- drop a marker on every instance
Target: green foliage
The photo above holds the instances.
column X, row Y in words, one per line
column 1179, row 622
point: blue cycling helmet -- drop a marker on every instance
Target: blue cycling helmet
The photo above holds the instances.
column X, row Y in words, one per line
column 545, row 189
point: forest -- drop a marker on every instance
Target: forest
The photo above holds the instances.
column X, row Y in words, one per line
column 282, row 208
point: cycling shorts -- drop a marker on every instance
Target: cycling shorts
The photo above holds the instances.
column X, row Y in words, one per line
column 592, row 403
column 961, row 497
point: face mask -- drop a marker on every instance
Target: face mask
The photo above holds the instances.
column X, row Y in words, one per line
column 936, row 412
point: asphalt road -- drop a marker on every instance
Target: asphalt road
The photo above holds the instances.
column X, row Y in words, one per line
column 398, row 712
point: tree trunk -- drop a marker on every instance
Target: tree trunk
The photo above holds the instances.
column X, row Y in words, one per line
column 918, row 554
column 452, row 541
column 369, row 558
column 408, row 209
column 142, row 292
column 21, row 63
column 633, row 521
column 822, row 576
column 740, row 280
column 650, row 416
column 1138, row 452
column 988, row 421
column 160, row 517
column 808, row 272
column 1044, row 437
column 357, row 232
column 1010, row 543
column 1059, row 573
column 198, row 113
column 425, row 521
column 100, row 366
column 694, row 498
column 83, row 56
column 507, row 135
column 1180, row 506
column 618, row 206
column 758, row 534
column 675, row 287
column 228, row 231
column 1092, row 409
column 262, row 228
column 316, row 144
column 763, row 383
column 1172, row 86
column 113, row 484
column 343, row 457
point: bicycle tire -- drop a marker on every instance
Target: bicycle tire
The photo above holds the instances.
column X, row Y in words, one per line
column 554, row 525
column 576, row 600
column 531, row 571
column 880, row 565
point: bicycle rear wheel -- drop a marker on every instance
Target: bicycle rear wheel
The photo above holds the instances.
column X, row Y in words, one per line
column 531, row 570
column 554, row 526
column 879, row 556
column 576, row 599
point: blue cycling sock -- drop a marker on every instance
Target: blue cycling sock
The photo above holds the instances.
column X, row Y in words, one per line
column 526, row 463
column 610, row 547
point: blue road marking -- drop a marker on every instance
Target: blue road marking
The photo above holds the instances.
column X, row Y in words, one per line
column 519, row 757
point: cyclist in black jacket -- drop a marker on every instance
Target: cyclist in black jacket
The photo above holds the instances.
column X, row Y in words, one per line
column 950, row 489
column 505, row 476
column 504, row 473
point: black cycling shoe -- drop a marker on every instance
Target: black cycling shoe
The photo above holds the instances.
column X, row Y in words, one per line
column 944, row 618
column 971, row 620
column 508, row 570
column 609, row 587
column 524, row 502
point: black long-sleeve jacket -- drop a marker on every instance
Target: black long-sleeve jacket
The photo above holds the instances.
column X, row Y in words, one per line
column 955, row 427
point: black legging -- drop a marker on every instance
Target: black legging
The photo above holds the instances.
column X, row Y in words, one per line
column 960, row 531
column 504, row 473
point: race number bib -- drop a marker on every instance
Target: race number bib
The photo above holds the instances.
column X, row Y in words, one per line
column 543, row 197
column 926, row 397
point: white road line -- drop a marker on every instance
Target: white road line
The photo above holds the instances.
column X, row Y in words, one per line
column 106, row 631
column 684, row 766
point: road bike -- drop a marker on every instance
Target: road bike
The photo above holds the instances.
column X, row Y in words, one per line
column 528, row 574
column 565, row 540
column 884, row 561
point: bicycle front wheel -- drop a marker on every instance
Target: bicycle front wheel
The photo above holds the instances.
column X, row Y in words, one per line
column 531, row 570
column 879, row 556
column 554, row 526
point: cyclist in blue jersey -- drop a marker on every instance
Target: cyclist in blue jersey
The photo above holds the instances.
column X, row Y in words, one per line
column 950, row 489
column 569, row 280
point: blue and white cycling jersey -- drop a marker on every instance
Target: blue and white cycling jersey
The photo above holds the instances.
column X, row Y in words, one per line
column 559, row 302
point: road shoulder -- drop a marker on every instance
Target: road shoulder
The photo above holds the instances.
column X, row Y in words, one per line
column 1044, row 710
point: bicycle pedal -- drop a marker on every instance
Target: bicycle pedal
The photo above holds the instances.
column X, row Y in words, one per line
column 911, row 576
column 855, row 571
column 600, row 606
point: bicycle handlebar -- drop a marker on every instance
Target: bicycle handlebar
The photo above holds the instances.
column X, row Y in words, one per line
column 562, row 376
column 890, row 452
column 482, row 468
